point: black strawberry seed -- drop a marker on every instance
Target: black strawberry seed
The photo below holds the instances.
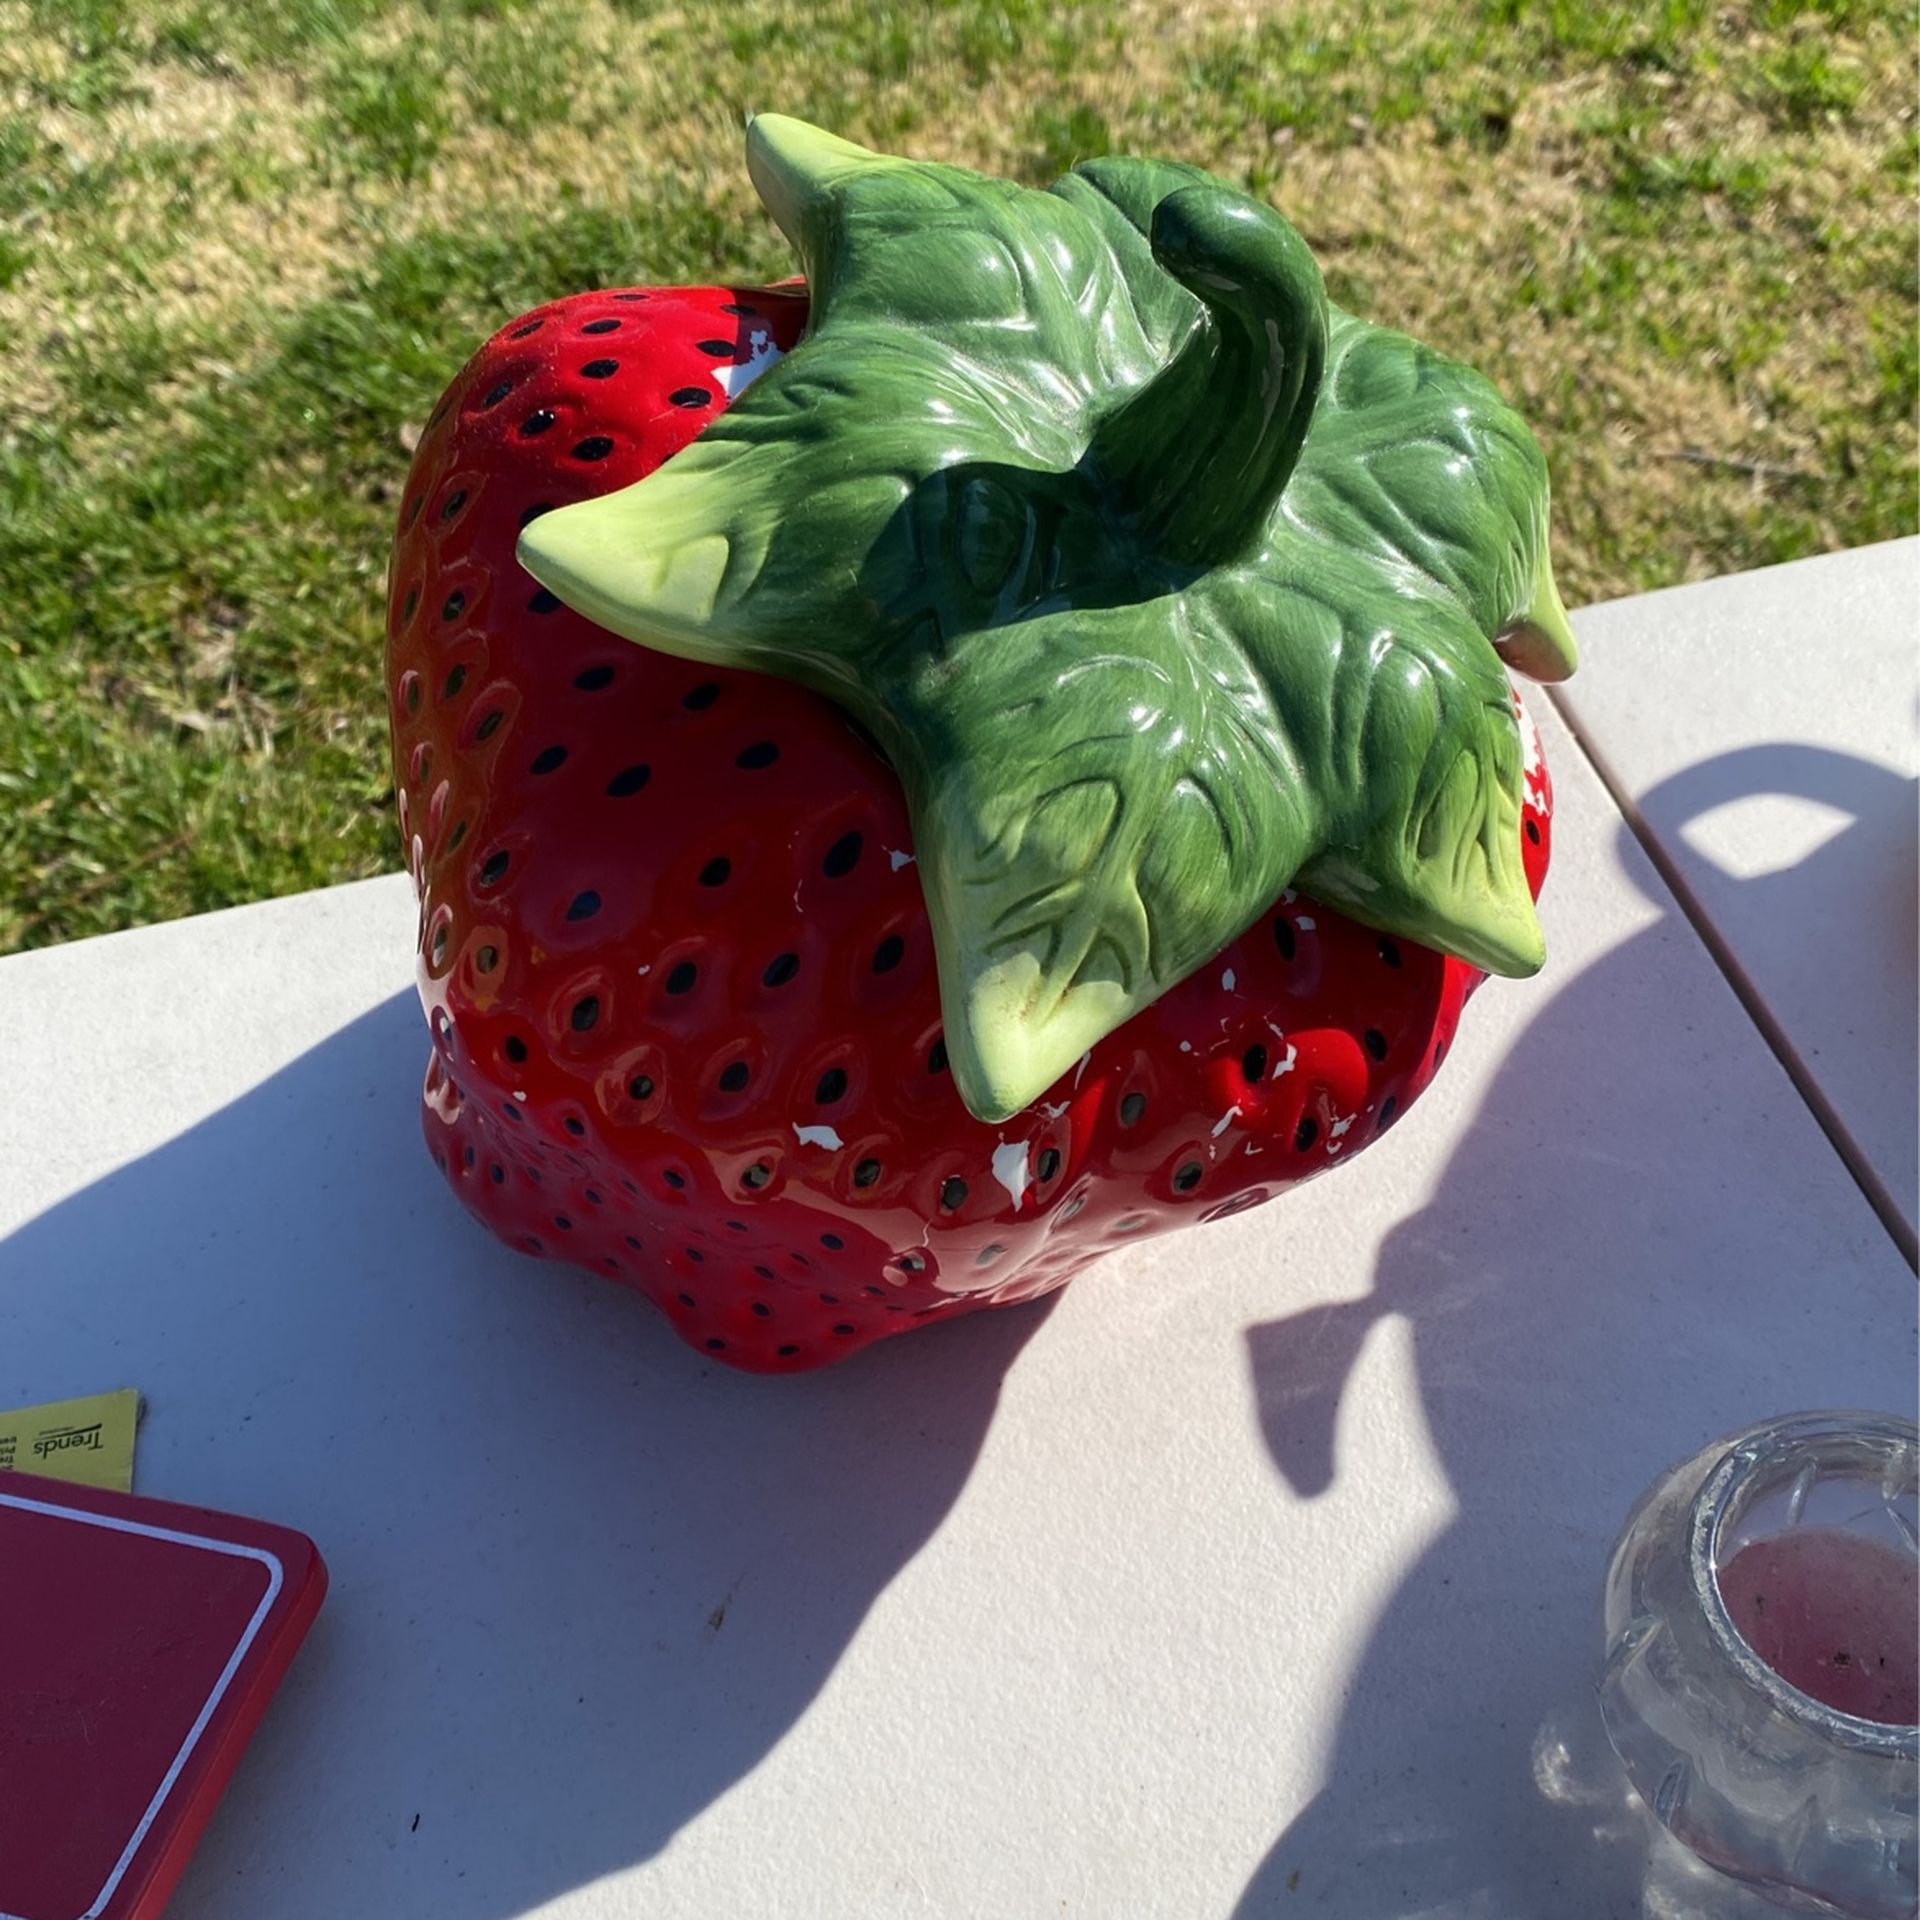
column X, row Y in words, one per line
column 757, row 1175
column 780, row 969
column 681, row 979
column 734, row 306
column 577, row 1127
column 678, row 1182
column 866, row 1173
column 720, row 349
column 1048, row 1165
column 548, row 759
column 532, row 326
column 888, row 954
column 1187, row 1178
column 691, row 397
column 763, row 753
column 1388, row 1108
column 1253, row 1065
column 761, row 1311
column 702, row 697
column 1389, row 952
column 629, row 296
column 514, row 1048
column 455, row 501
column 537, row 422
column 408, row 605
column 601, row 326
column 489, row 724
column 600, row 369
column 1533, row 831
column 734, row 1079
column 543, row 602
column 937, row 1057
column 640, row 1087
column 629, row 781
column 495, row 869
column 486, row 959
column 593, row 679
column 586, row 1011
column 596, row 446
column 715, row 872
column 496, row 394
column 953, row 1195
column 1305, row 1134
column 832, row 1242
column 453, row 606
column 583, row 906
column 831, row 1086
column 454, row 682
column 1131, row 1108
column 1283, row 938
column 1375, row 1043
column 843, row 856
column 534, row 512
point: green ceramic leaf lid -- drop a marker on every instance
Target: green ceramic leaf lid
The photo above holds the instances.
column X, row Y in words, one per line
column 1164, row 582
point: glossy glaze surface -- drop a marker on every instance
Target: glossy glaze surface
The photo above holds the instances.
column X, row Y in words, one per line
column 676, row 957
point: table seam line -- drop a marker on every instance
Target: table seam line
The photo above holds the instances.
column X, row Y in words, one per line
column 1813, row 1096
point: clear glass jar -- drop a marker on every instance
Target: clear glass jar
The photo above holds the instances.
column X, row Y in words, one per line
column 1781, row 1748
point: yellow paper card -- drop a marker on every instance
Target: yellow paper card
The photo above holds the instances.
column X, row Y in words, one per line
column 87, row 1441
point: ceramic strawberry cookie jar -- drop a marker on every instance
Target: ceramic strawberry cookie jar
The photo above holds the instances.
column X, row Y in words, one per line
column 921, row 775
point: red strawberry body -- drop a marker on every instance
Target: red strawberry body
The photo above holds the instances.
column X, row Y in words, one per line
column 675, row 957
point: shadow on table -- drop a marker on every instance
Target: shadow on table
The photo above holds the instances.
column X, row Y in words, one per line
column 583, row 1582
column 1469, row 1751
column 1863, row 886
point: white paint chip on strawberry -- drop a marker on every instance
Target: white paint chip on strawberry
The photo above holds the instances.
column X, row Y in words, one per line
column 1010, row 1169
column 735, row 376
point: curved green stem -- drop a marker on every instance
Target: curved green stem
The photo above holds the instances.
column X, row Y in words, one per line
column 1201, row 453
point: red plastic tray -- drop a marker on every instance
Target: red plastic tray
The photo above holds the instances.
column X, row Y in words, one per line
column 140, row 1642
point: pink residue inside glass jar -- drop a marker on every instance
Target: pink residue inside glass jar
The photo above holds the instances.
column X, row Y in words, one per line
column 1834, row 1614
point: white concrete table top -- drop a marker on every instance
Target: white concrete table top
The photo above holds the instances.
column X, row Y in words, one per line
column 1764, row 730
column 1257, row 1574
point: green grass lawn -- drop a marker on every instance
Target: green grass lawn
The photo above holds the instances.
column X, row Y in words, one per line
column 244, row 244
